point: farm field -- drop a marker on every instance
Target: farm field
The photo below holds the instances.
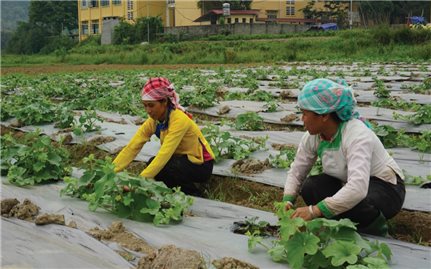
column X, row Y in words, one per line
column 249, row 116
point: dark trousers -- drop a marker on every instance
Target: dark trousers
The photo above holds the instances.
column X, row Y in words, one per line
column 180, row 172
column 382, row 197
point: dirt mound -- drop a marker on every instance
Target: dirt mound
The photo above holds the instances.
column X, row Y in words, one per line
column 277, row 146
column 7, row 205
column 289, row 118
column 118, row 233
column 171, row 257
column 223, row 110
column 50, row 219
column 25, row 211
column 100, row 139
column 250, row 166
column 232, row 263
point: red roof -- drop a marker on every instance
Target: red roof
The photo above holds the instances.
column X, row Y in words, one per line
column 219, row 12
column 291, row 20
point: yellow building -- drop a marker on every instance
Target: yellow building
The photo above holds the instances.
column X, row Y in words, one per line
column 93, row 13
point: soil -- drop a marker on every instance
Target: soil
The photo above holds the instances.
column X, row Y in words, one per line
column 232, row 263
column 118, row 233
column 223, row 110
column 25, row 211
column 171, row 257
column 7, row 205
column 250, row 166
column 289, row 118
column 50, row 219
column 98, row 140
column 63, row 68
column 277, row 146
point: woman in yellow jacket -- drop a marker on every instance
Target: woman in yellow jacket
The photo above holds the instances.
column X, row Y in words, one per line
column 185, row 156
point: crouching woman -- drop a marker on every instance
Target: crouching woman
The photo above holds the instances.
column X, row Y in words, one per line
column 360, row 180
column 185, row 157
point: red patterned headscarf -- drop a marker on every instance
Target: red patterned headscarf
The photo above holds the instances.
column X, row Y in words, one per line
column 159, row 88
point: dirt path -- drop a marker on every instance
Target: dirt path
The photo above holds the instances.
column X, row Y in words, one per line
column 67, row 68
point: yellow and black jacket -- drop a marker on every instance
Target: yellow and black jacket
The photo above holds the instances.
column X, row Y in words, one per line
column 182, row 137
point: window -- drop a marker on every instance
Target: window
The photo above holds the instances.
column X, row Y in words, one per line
column 84, row 28
column 84, row 3
column 244, row 20
column 130, row 4
column 104, row 3
column 229, row 20
column 290, row 11
column 116, row 2
column 236, row 20
column 130, row 15
column 95, row 27
column 271, row 15
column 251, row 20
column 290, row 8
column 94, row 3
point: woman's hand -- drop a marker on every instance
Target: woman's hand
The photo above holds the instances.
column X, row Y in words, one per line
column 288, row 206
column 307, row 213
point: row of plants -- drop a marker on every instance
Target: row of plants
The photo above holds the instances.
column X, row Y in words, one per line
column 35, row 159
column 125, row 195
column 320, row 243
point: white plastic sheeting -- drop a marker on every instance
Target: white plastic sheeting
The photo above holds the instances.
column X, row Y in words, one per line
column 413, row 163
column 207, row 231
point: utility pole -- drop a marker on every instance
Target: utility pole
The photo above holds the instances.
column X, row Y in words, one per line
column 148, row 21
column 351, row 15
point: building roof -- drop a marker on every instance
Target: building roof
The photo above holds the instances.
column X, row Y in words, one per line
column 290, row 20
column 219, row 12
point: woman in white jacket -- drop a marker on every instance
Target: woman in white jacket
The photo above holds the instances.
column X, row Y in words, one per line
column 360, row 180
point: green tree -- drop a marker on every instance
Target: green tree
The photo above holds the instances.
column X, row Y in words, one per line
column 47, row 21
column 333, row 11
column 207, row 5
column 56, row 16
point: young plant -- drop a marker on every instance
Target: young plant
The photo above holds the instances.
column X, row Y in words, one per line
column 321, row 243
column 422, row 116
column 86, row 123
column 127, row 196
column 249, row 121
column 284, row 159
column 225, row 146
column 36, row 112
column 33, row 160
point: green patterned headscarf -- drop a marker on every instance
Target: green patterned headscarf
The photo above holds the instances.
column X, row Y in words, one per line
column 324, row 96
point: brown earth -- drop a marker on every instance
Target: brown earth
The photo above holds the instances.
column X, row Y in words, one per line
column 63, row 68
column 172, row 257
column 26, row 211
column 250, row 166
column 231, row 263
column 50, row 219
column 118, row 233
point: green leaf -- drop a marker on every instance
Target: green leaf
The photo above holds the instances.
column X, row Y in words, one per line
column 127, row 199
column 376, row 263
column 342, row 252
column 316, row 261
column 386, row 251
column 278, row 253
column 299, row 245
column 253, row 240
